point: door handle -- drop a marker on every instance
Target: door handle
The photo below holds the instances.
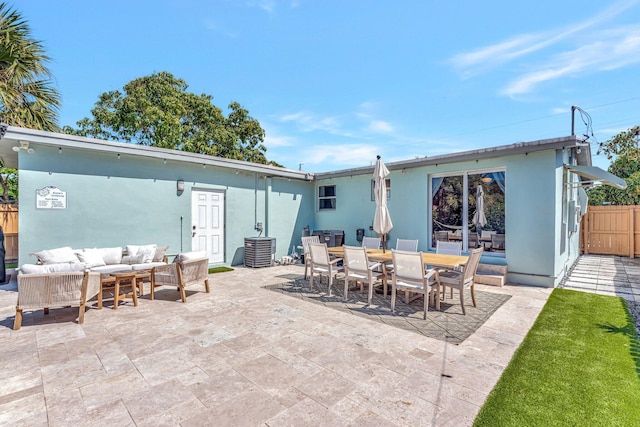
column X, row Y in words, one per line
column 193, row 231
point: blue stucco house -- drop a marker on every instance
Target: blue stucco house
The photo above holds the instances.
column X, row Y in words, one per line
column 86, row 193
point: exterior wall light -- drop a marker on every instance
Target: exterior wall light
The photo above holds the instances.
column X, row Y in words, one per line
column 180, row 186
column 24, row 145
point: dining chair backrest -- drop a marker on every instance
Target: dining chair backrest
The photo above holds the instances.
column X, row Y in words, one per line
column 408, row 266
column 474, row 241
column 497, row 241
column 371, row 242
column 472, row 264
column 486, row 234
column 319, row 254
column 305, row 243
column 406, row 245
column 449, row 248
column 355, row 259
column 442, row 236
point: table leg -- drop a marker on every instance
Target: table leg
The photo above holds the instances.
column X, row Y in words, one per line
column 116, row 294
column 134, row 290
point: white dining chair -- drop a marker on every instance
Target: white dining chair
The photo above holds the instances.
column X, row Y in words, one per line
column 408, row 245
column 322, row 264
column 358, row 268
column 409, row 274
column 371, row 242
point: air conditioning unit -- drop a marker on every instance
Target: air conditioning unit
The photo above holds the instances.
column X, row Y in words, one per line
column 259, row 251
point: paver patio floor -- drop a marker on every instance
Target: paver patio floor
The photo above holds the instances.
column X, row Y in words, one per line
column 244, row 355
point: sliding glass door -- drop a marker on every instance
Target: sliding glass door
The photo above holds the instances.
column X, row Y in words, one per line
column 469, row 208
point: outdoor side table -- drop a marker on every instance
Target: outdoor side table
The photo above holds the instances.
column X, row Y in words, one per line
column 119, row 282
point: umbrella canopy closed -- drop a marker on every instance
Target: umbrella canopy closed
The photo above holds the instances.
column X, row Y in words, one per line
column 382, row 220
column 479, row 218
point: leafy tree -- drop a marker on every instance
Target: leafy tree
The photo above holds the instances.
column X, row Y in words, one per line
column 158, row 111
column 27, row 97
column 624, row 152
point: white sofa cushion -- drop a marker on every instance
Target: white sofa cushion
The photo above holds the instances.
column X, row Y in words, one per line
column 56, row 256
column 111, row 256
column 146, row 265
column 184, row 256
column 112, row 268
column 91, row 257
column 147, row 250
column 63, row 267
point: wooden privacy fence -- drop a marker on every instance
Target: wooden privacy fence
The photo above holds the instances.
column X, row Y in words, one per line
column 611, row 230
column 9, row 224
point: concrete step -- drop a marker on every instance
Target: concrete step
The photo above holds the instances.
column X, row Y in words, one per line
column 489, row 274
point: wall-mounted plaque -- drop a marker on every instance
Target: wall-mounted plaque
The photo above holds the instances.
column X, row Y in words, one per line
column 51, row 198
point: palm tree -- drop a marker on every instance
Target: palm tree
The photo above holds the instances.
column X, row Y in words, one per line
column 27, row 97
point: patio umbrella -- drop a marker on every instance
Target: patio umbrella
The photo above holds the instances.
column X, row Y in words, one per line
column 381, row 221
column 479, row 218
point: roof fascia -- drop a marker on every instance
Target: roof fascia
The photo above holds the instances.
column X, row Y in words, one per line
column 61, row 140
column 484, row 153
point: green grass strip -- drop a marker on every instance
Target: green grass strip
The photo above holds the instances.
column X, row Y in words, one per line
column 220, row 269
column 579, row 365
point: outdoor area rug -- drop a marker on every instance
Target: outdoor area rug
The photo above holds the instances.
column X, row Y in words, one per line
column 448, row 324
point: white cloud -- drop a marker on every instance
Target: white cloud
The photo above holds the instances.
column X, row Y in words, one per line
column 380, row 126
column 352, row 154
column 610, row 50
column 278, row 141
column 584, row 49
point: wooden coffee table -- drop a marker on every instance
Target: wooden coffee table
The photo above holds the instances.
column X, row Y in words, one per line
column 119, row 281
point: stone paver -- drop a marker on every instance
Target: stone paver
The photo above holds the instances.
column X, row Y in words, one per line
column 244, row 355
column 606, row 275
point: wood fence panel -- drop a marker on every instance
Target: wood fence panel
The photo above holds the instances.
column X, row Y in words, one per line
column 611, row 230
column 9, row 224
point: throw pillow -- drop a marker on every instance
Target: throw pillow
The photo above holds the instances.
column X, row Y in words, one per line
column 147, row 250
column 54, row 256
column 91, row 257
column 111, row 256
column 133, row 259
column 161, row 252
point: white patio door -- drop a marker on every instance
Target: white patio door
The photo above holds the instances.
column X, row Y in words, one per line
column 207, row 223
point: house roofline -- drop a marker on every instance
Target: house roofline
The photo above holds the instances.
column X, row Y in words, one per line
column 14, row 135
column 60, row 140
column 482, row 153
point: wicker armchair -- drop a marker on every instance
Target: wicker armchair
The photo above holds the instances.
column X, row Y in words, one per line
column 42, row 291
column 181, row 274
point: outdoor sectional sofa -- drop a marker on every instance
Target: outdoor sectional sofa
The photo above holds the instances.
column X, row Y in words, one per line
column 99, row 260
column 66, row 277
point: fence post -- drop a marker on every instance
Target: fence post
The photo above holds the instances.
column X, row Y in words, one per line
column 632, row 231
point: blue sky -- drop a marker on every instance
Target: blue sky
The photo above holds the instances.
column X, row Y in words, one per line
column 336, row 82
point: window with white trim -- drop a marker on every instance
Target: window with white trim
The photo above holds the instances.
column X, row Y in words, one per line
column 326, row 197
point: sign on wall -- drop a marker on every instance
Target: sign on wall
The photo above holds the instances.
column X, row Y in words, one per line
column 51, row 198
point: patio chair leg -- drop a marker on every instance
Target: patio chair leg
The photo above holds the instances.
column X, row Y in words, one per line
column 17, row 323
column 473, row 295
column 346, row 288
column 183, row 294
column 206, row 286
column 461, row 300
column 81, row 314
column 46, row 310
column 426, row 304
column 393, row 299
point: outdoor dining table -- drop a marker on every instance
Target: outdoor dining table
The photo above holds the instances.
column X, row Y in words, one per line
column 431, row 259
